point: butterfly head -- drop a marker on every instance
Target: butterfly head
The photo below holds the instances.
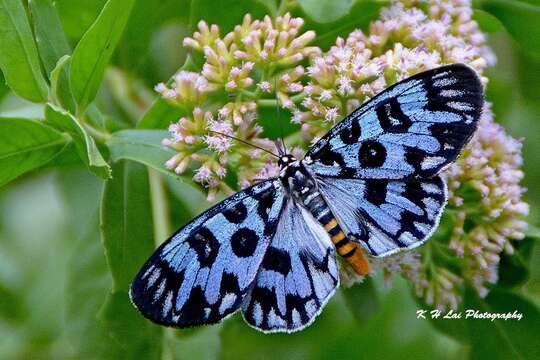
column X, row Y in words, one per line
column 285, row 160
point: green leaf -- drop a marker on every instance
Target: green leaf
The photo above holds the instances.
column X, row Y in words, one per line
column 455, row 328
column 143, row 146
column 160, row 115
column 521, row 19
column 60, row 88
column 153, row 33
column 88, row 282
column 86, row 147
column 95, row 49
column 136, row 336
column 226, row 13
column 50, row 37
column 26, row 145
column 533, row 232
column 360, row 15
column 19, row 57
column 487, row 22
column 126, row 222
column 87, row 278
column 326, row 11
column 503, row 339
column 514, row 268
column 362, row 300
column 78, row 16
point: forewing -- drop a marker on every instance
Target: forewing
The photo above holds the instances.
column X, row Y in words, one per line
column 204, row 271
column 297, row 277
column 412, row 129
column 386, row 216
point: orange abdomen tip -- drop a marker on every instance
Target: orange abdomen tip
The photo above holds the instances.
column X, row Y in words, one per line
column 358, row 261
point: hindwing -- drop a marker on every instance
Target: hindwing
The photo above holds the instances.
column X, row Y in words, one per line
column 297, row 277
column 412, row 129
column 204, row 271
column 386, row 216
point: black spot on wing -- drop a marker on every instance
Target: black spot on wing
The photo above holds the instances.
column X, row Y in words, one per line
column 350, row 135
column 244, row 242
column 265, row 202
column 205, row 245
column 236, row 214
column 375, row 191
column 371, row 154
column 277, row 260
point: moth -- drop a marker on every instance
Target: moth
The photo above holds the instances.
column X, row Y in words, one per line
column 368, row 188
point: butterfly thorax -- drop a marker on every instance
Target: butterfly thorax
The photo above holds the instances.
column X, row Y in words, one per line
column 302, row 187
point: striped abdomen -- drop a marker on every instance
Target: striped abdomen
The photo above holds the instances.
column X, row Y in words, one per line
column 349, row 250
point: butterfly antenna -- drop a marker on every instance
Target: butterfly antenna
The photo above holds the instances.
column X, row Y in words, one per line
column 245, row 142
column 283, row 149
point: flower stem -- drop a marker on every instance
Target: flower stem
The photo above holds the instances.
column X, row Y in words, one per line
column 160, row 207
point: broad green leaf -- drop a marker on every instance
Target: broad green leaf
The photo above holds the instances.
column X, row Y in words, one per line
column 503, row 339
column 95, row 49
column 455, row 329
column 514, row 268
column 87, row 278
column 160, row 115
column 12, row 310
column 137, row 337
column 226, row 13
column 26, row 145
column 326, row 11
column 360, row 15
column 19, row 59
column 126, row 222
column 276, row 123
column 521, row 19
column 78, row 16
column 86, row 147
column 50, row 38
column 14, row 106
column 533, row 232
column 362, row 300
column 142, row 146
column 487, row 22
column 60, row 92
column 153, row 32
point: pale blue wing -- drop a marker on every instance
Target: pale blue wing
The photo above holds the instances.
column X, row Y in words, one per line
column 297, row 277
column 412, row 129
column 204, row 271
column 386, row 216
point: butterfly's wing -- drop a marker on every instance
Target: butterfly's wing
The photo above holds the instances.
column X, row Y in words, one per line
column 412, row 129
column 377, row 168
column 297, row 277
column 386, row 216
column 204, row 271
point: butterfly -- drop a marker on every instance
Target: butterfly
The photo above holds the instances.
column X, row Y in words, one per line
column 370, row 186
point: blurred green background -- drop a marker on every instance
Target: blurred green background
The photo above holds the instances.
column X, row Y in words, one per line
column 55, row 287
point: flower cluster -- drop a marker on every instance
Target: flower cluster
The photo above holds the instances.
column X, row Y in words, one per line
column 264, row 60
column 405, row 41
column 490, row 166
column 258, row 61
column 186, row 89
